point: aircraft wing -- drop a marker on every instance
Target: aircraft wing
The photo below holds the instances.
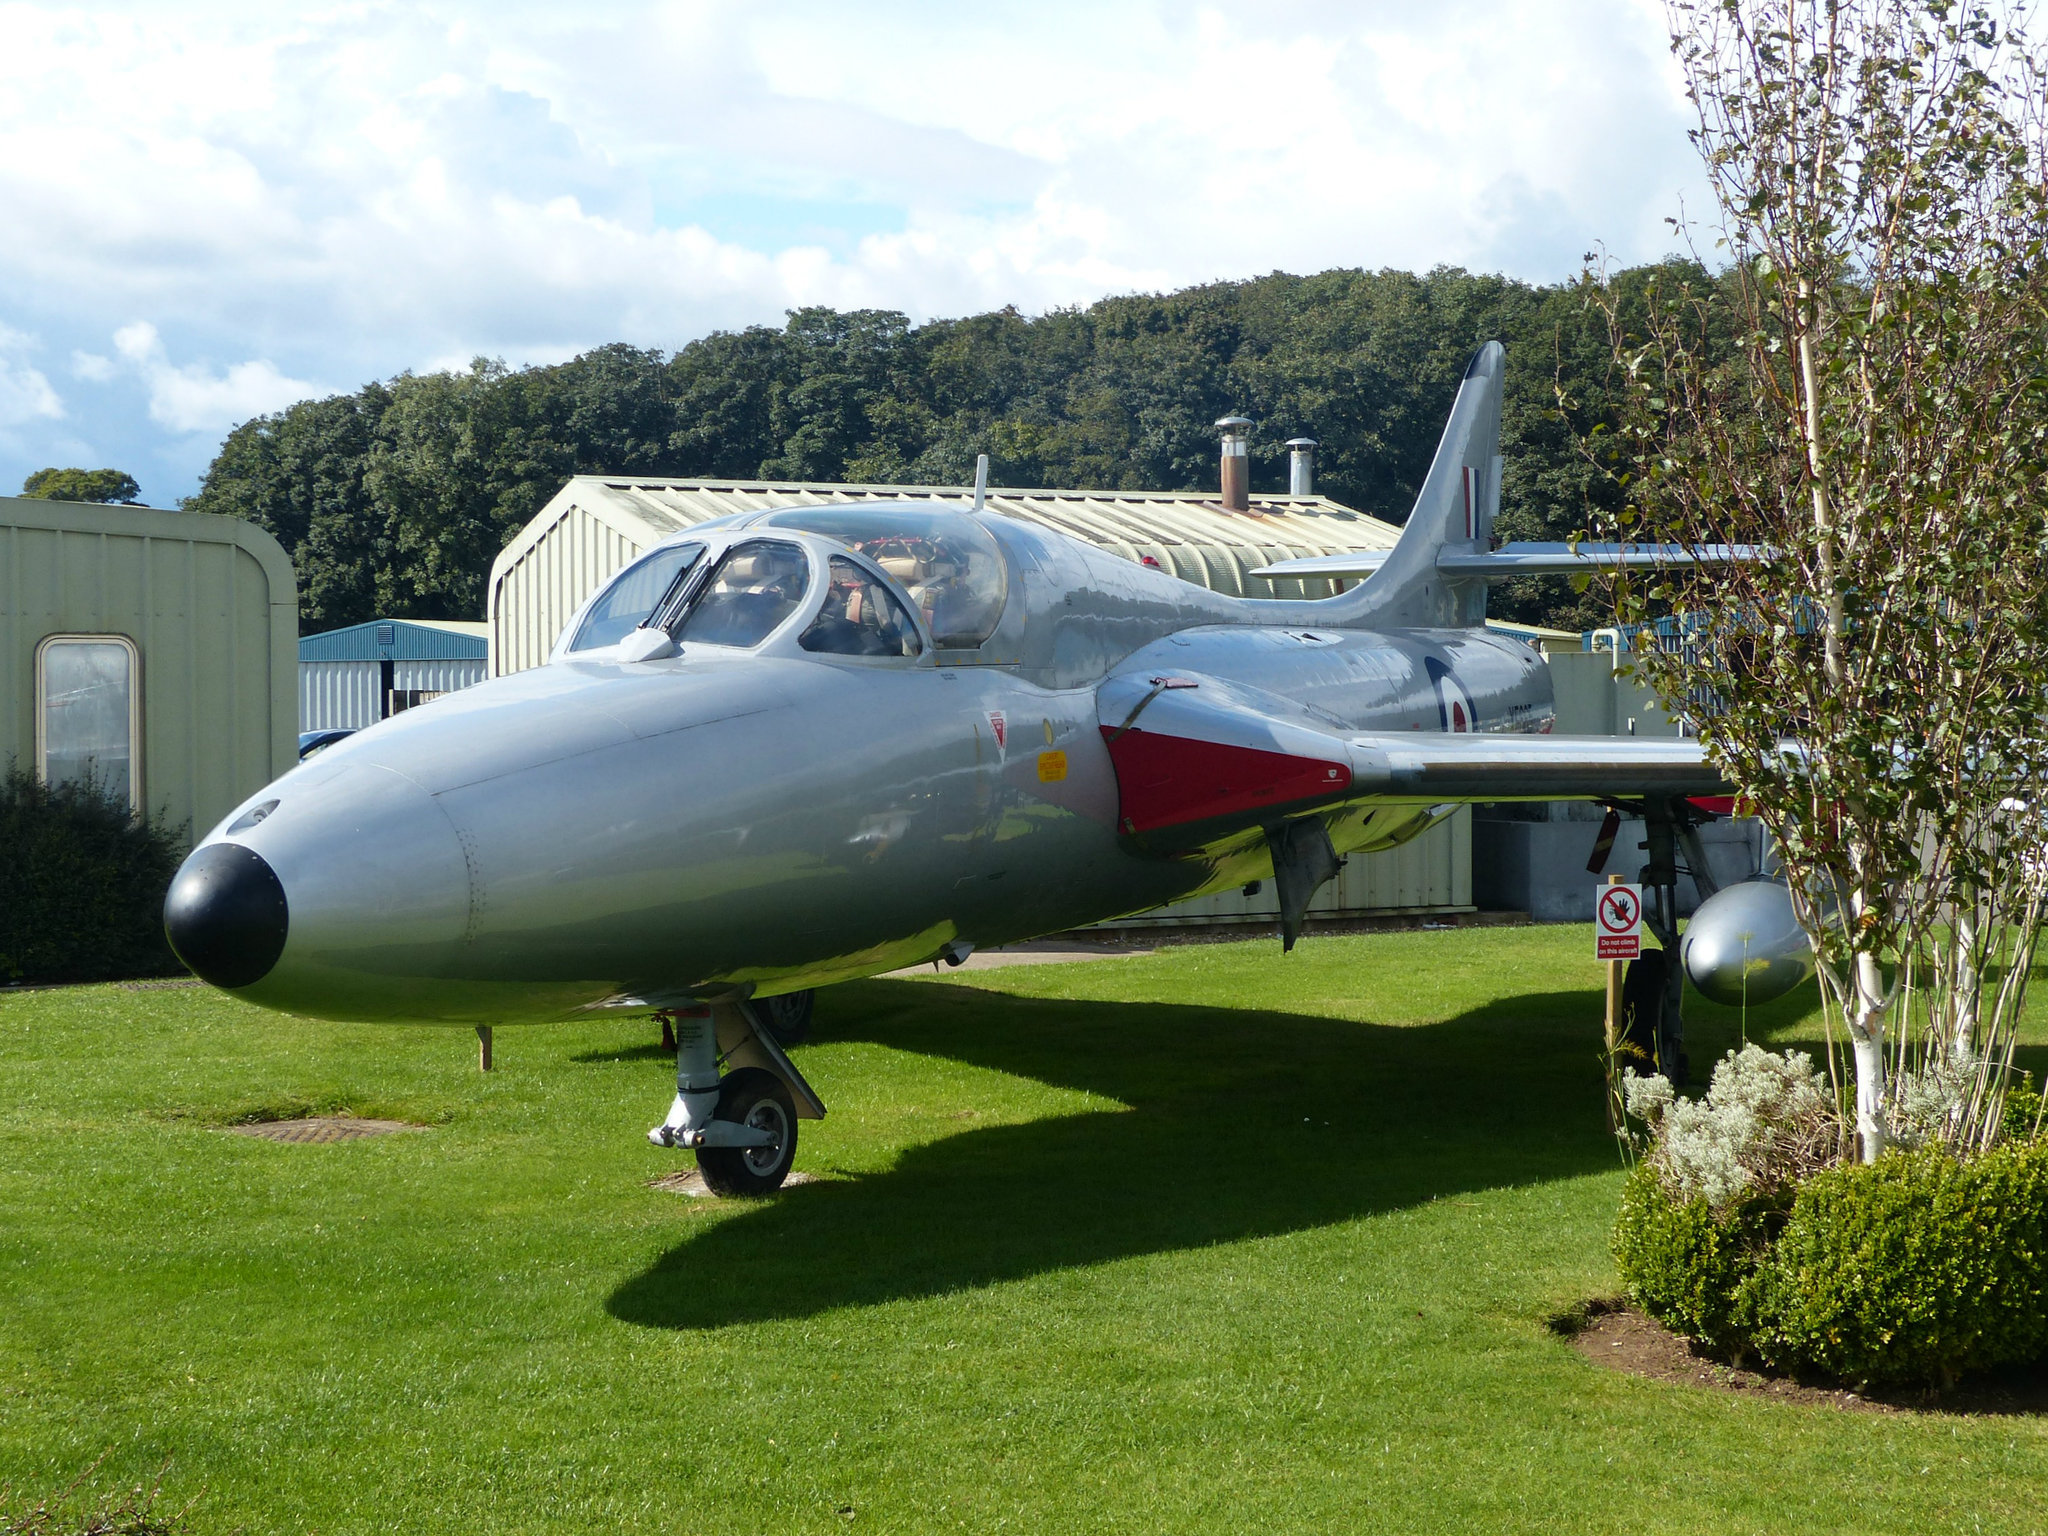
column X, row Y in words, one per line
column 1198, row 758
column 1436, row 766
column 1532, row 559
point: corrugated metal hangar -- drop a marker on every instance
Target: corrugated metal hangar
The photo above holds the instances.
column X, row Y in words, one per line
column 597, row 525
column 149, row 650
column 353, row 677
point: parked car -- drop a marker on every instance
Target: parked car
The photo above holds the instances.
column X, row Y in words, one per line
column 316, row 741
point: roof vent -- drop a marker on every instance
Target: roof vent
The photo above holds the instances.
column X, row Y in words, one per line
column 1237, row 483
column 1301, row 466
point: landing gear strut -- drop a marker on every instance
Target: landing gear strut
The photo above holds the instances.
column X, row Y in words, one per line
column 740, row 1122
column 1653, row 988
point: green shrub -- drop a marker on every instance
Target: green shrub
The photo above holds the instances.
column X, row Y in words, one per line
column 1686, row 1264
column 1912, row 1270
column 2022, row 1115
column 82, row 884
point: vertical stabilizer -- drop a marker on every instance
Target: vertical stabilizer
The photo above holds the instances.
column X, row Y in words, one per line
column 1454, row 511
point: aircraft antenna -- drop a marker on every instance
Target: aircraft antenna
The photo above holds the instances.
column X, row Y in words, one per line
column 980, row 480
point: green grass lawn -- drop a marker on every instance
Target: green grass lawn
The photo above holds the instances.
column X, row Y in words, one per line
column 1212, row 1240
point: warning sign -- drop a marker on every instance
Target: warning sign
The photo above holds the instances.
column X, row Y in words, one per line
column 1618, row 922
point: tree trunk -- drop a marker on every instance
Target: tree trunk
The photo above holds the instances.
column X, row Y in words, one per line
column 1866, row 1038
column 1965, row 982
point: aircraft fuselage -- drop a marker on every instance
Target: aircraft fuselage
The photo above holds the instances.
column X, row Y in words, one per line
column 597, row 833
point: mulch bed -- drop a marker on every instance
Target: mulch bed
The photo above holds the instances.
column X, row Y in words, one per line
column 1617, row 1336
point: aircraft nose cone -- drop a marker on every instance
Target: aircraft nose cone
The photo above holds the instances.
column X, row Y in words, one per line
column 226, row 916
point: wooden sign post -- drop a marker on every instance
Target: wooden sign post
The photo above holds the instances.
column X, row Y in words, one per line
column 483, row 1047
column 1615, row 970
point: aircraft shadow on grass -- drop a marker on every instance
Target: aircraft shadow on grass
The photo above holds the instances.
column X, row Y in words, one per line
column 1241, row 1124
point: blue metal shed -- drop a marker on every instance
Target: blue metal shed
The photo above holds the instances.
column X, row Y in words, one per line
column 353, row 677
column 398, row 640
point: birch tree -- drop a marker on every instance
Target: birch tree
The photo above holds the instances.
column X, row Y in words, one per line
column 1877, row 688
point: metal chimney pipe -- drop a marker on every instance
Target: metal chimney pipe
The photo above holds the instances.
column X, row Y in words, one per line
column 1237, row 478
column 1301, row 466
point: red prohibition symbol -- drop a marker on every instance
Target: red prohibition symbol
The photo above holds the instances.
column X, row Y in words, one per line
column 1618, row 911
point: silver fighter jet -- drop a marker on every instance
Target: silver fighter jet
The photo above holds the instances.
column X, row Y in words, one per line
column 786, row 749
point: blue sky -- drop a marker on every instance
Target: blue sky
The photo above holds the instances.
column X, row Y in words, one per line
column 212, row 210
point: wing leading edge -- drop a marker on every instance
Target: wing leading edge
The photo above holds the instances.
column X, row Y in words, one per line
column 1512, row 767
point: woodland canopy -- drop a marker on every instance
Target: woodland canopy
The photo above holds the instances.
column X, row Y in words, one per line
column 393, row 500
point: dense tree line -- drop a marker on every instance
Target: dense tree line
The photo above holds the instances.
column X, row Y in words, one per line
column 393, row 500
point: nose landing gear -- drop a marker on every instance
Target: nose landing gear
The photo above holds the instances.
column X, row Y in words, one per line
column 754, row 1101
column 741, row 1124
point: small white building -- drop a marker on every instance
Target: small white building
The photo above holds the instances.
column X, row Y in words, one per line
column 353, row 677
column 148, row 650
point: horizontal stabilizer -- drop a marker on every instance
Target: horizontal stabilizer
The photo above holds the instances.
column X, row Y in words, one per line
column 1527, row 560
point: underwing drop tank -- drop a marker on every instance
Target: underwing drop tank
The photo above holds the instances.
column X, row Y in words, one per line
column 1745, row 946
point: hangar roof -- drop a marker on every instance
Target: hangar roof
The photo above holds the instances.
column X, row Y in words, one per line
column 1187, row 532
column 398, row 640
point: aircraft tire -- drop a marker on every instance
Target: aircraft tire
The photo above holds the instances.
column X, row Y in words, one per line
column 751, row 1097
column 789, row 1016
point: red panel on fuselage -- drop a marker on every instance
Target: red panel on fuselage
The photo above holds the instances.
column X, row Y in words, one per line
column 1170, row 781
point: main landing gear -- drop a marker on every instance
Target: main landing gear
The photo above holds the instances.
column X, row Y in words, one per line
column 1653, row 986
column 738, row 1097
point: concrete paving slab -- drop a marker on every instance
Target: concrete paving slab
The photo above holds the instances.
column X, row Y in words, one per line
column 1036, row 952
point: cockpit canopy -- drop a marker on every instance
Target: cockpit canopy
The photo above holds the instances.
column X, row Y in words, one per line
column 946, row 561
column 626, row 604
column 947, row 564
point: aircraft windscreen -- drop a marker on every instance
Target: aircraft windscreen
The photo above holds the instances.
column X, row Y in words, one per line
column 628, row 601
column 754, row 588
column 946, row 561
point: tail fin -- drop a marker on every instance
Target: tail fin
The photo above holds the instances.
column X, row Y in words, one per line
column 1453, row 514
column 1436, row 575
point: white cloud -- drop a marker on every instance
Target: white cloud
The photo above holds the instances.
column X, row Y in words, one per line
column 344, row 191
column 25, row 395
column 192, row 399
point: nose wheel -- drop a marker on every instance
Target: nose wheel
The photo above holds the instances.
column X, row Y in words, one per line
column 738, row 1098
column 758, row 1101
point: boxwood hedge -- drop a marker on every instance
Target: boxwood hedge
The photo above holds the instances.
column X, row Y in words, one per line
column 82, row 884
column 1910, row 1271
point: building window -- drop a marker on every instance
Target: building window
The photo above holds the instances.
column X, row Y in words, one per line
column 87, row 713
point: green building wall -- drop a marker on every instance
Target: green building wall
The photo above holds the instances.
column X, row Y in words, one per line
column 211, row 605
